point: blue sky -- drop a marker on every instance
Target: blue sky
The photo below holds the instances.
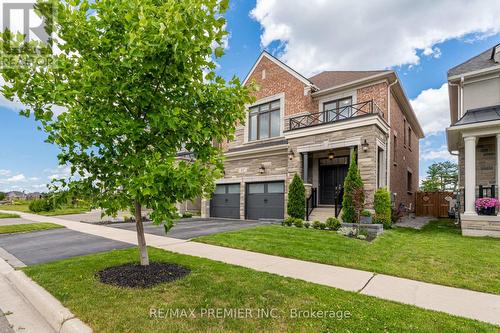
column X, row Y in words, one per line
column 421, row 56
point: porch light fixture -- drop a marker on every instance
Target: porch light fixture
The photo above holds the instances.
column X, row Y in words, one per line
column 262, row 169
column 291, row 154
column 330, row 155
column 364, row 145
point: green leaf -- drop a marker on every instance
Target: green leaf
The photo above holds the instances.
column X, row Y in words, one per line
column 219, row 51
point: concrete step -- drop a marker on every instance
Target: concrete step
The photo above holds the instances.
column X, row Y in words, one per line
column 322, row 213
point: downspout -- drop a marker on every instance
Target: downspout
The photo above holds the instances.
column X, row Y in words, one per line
column 459, row 98
column 388, row 166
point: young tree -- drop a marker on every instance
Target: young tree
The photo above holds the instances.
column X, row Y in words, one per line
column 137, row 80
column 2, row 196
column 296, row 206
column 354, row 194
column 441, row 176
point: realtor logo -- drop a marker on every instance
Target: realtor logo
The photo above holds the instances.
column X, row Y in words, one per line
column 21, row 17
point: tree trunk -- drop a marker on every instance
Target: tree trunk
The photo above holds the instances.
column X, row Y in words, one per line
column 141, row 240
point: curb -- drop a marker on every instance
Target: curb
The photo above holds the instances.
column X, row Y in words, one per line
column 56, row 315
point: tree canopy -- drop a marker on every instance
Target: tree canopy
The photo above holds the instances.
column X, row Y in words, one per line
column 138, row 81
column 441, row 176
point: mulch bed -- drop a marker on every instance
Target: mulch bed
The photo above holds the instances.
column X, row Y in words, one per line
column 137, row 276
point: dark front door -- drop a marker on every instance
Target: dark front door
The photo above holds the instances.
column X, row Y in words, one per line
column 331, row 181
column 226, row 201
column 265, row 200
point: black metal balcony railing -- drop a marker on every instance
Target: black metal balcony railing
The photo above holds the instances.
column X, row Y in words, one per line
column 334, row 115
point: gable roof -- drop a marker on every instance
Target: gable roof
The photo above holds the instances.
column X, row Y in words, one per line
column 481, row 61
column 280, row 63
column 328, row 79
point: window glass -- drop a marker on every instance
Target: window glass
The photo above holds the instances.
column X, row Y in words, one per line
column 264, row 107
column 264, row 126
column 330, row 109
column 255, row 188
column 344, row 108
column 233, row 188
column 253, row 127
column 220, row 189
column 275, row 105
column 275, row 123
column 275, row 188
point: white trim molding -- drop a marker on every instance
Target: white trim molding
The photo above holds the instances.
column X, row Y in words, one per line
column 326, row 145
column 261, row 151
column 251, row 179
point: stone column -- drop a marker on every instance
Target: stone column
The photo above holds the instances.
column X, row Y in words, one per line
column 205, row 207
column 305, row 164
column 498, row 164
column 470, row 175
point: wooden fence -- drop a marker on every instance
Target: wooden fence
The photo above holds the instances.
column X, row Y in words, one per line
column 433, row 203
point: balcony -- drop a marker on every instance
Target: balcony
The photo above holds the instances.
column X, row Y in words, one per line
column 335, row 115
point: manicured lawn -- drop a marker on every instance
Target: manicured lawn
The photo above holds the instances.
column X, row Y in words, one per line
column 24, row 207
column 8, row 216
column 10, row 229
column 216, row 285
column 437, row 254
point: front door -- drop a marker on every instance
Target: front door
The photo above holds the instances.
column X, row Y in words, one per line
column 330, row 182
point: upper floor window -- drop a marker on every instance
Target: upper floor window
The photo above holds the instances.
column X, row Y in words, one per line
column 338, row 109
column 264, row 121
column 409, row 137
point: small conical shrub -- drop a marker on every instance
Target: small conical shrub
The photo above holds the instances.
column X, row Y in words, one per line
column 296, row 198
column 354, row 194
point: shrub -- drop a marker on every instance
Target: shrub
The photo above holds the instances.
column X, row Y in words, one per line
column 366, row 213
column 322, row 225
column 41, row 205
column 187, row 215
column 382, row 202
column 307, row 224
column 332, row 223
column 383, row 219
column 316, row 224
column 354, row 194
column 298, row 223
column 288, row 221
column 296, row 198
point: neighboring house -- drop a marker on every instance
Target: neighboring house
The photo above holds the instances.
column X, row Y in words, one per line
column 16, row 195
column 474, row 92
column 312, row 127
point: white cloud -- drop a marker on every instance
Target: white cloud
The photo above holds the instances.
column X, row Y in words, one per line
column 62, row 171
column 4, row 172
column 17, row 178
column 354, row 35
column 441, row 153
column 432, row 109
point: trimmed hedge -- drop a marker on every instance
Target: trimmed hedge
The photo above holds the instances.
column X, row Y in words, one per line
column 296, row 206
column 354, row 194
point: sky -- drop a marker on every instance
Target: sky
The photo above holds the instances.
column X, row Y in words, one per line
column 420, row 40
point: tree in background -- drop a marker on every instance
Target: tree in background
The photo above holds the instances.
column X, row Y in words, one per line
column 2, row 196
column 441, row 176
column 296, row 206
column 354, row 194
column 138, row 81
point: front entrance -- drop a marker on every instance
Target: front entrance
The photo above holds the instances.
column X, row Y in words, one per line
column 332, row 173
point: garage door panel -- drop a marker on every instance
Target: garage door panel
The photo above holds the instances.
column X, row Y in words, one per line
column 265, row 201
column 226, row 201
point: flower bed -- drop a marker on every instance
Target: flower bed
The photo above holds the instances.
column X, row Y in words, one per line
column 487, row 206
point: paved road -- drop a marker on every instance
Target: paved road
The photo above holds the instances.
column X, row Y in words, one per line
column 49, row 245
column 195, row 227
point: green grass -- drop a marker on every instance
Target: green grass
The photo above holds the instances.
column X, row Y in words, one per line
column 10, row 229
column 216, row 285
column 437, row 253
column 8, row 216
column 24, row 207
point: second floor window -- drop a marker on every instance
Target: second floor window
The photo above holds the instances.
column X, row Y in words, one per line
column 264, row 121
column 338, row 109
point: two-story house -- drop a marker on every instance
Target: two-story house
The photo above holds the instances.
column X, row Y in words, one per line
column 313, row 127
column 474, row 134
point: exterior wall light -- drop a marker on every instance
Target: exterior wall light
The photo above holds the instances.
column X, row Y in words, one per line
column 365, row 145
column 330, row 155
column 262, row 169
column 291, row 154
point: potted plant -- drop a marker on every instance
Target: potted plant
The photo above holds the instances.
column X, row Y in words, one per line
column 487, row 206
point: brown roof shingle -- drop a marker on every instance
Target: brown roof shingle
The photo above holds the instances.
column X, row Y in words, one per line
column 328, row 79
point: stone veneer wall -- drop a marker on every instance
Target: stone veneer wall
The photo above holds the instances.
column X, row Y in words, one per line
column 485, row 162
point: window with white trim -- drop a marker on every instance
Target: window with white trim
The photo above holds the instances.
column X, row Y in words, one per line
column 264, row 121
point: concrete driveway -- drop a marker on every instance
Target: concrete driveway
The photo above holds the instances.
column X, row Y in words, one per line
column 194, row 227
column 48, row 245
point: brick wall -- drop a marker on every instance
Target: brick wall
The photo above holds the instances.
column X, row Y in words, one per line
column 377, row 93
column 407, row 158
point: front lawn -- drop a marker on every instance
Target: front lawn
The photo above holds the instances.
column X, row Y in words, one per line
column 214, row 285
column 8, row 216
column 438, row 253
column 24, row 207
column 10, row 229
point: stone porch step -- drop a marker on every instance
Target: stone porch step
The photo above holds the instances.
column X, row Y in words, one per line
column 321, row 214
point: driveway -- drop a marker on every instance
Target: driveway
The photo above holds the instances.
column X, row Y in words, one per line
column 48, row 245
column 194, row 227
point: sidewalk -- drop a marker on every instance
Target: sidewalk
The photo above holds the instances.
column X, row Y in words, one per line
column 461, row 302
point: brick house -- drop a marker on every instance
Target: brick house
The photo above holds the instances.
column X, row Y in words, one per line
column 474, row 134
column 311, row 127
